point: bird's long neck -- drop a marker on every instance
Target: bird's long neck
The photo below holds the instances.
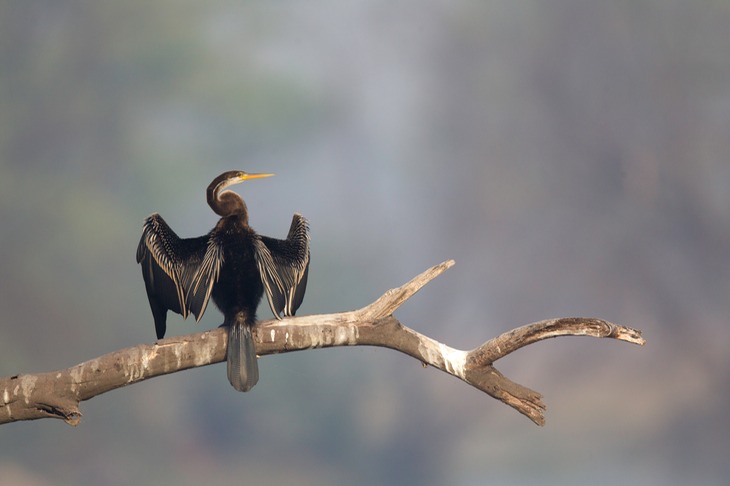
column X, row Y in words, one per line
column 226, row 203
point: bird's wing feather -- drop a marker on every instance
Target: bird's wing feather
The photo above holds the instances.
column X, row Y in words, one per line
column 179, row 274
column 284, row 267
column 199, row 276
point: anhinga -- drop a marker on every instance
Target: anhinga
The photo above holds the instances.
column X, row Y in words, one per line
column 233, row 264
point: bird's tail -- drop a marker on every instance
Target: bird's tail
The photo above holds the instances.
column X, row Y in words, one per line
column 243, row 369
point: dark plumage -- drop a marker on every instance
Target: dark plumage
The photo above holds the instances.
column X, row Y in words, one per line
column 232, row 264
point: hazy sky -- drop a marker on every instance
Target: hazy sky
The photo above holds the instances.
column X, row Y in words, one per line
column 572, row 157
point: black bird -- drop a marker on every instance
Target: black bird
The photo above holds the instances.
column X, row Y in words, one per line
column 233, row 264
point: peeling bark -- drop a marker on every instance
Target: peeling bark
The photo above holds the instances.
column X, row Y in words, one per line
column 57, row 394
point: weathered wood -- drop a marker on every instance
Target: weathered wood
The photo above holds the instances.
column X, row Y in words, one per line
column 57, row 394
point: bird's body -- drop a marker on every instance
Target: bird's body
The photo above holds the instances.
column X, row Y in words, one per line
column 239, row 288
column 233, row 265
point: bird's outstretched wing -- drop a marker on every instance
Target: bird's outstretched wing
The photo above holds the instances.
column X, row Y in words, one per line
column 179, row 274
column 284, row 265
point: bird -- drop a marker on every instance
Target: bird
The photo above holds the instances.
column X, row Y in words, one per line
column 232, row 264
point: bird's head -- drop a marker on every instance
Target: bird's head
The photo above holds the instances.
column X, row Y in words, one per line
column 237, row 176
column 225, row 202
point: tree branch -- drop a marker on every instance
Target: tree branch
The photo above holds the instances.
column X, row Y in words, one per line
column 57, row 394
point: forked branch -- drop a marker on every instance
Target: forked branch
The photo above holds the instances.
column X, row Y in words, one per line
column 57, row 394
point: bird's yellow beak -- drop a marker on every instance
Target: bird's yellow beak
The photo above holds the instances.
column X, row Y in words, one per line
column 246, row 176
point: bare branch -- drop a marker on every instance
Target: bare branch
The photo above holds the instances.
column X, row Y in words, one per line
column 515, row 339
column 57, row 394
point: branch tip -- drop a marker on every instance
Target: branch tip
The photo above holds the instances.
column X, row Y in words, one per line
column 628, row 335
column 394, row 298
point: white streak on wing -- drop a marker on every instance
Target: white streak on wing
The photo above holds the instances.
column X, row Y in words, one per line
column 265, row 261
column 155, row 248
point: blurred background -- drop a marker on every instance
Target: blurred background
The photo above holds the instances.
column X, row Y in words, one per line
column 571, row 156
